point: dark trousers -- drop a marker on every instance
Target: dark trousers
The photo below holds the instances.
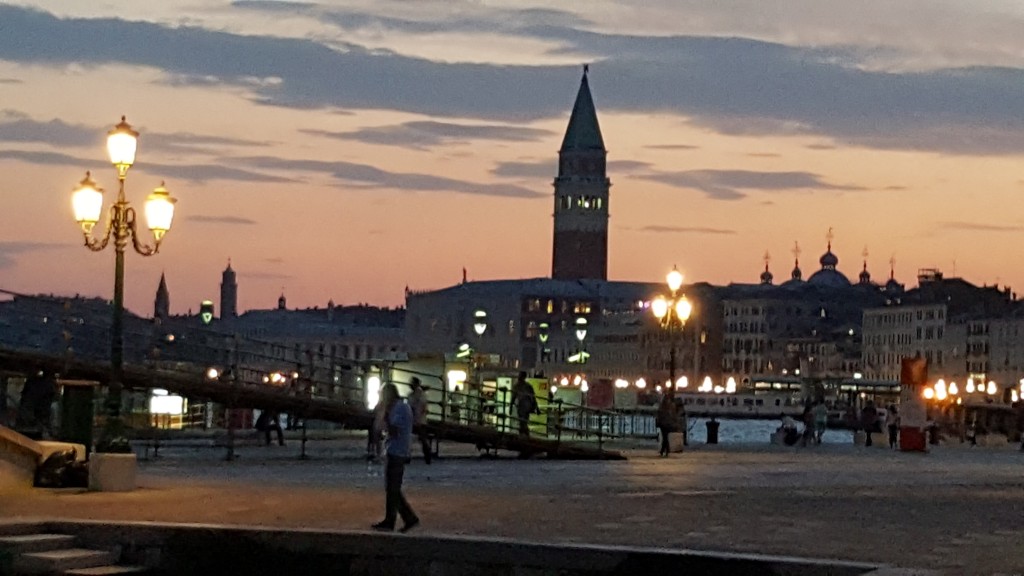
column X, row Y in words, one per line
column 893, row 435
column 425, row 443
column 395, row 504
column 524, row 423
column 867, row 435
column 280, row 434
column 665, row 430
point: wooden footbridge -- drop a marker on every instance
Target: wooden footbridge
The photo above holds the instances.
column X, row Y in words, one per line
column 192, row 381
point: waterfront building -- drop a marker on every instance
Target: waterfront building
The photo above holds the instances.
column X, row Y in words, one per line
column 946, row 321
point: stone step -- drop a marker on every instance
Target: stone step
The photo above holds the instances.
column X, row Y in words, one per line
column 106, row 570
column 59, row 561
column 17, row 528
column 23, row 543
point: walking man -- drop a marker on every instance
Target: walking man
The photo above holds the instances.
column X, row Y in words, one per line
column 420, row 407
column 524, row 400
column 398, row 417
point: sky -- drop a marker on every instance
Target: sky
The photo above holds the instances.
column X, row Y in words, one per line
column 345, row 150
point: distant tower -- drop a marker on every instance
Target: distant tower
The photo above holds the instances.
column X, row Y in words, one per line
column 162, row 304
column 282, row 304
column 766, row 277
column 228, row 293
column 865, row 276
column 580, row 247
column 797, row 275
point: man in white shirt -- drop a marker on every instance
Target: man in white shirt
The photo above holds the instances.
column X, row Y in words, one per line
column 399, row 422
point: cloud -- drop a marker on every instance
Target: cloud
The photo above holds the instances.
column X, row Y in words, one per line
column 367, row 176
column 684, row 229
column 46, row 158
column 208, row 172
column 17, row 127
column 221, row 220
column 10, row 81
column 978, row 227
column 730, row 85
column 424, row 134
column 548, row 169
column 672, row 147
column 763, row 155
column 186, row 142
column 9, row 251
column 731, row 184
column 538, row 169
column 627, row 166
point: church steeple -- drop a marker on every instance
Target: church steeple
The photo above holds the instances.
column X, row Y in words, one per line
column 580, row 248
column 162, row 303
column 797, row 275
column 766, row 277
column 228, row 293
column 584, row 132
column 865, row 276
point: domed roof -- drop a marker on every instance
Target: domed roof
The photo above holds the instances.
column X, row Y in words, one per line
column 828, row 260
column 830, row 278
column 865, row 276
column 766, row 276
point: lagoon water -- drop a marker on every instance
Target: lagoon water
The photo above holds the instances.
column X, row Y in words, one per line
column 753, row 432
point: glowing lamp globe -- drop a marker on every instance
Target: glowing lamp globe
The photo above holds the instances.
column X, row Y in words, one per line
column 87, row 202
column 160, row 211
column 122, row 142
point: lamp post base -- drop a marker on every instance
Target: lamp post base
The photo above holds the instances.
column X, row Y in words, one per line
column 112, row 472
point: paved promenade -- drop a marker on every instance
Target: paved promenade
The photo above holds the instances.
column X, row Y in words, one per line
column 957, row 509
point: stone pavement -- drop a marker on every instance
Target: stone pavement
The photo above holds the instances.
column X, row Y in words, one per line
column 957, row 509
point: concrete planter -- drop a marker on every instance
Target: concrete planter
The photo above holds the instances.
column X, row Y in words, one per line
column 110, row 472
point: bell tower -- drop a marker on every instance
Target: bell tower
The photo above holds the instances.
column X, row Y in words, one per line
column 228, row 294
column 580, row 247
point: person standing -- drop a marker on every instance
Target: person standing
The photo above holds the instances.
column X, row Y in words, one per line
column 398, row 416
column 892, row 423
column 666, row 420
column 270, row 421
column 868, row 421
column 418, row 403
column 524, row 400
column 820, row 421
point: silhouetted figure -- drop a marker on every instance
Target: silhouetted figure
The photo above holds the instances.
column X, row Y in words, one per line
column 892, row 424
column 37, row 396
column 268, row 421
column 398, row 416
column 868, row 421
column 667, row 420
column 418, row 403
column 524, row 400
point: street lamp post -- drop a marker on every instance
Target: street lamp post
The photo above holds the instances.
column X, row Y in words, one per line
column 669, row 312
column 87, row 201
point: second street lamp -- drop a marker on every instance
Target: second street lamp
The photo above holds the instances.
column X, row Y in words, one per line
column 87, row 201
column 672, row 311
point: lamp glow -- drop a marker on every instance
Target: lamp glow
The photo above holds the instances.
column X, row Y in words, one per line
column 674, row 280
column 160, row 211
column 641, row 383
column 929, row 393
column 87, row 202
column 683, row 309
column 991, row 390
column 659, row 306
column 122, row 143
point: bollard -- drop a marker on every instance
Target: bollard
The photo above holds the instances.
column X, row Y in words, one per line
column 712, row 426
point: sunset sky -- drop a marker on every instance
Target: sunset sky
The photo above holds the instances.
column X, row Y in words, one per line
column 347, row 149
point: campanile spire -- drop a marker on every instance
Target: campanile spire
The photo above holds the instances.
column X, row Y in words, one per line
column 580, row 247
